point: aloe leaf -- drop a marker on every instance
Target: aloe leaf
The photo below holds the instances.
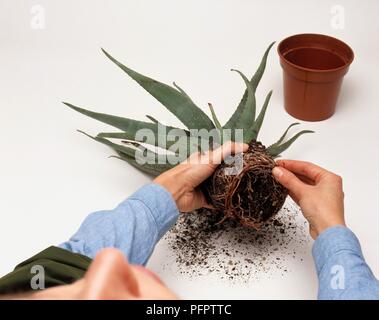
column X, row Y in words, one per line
column 156, row 167
column 214, row 117
column 131, row 153
column 148, row 169
column 276, row 150
column 131, row 143
column 261, row 69
column 124, row 124
column 233, row 122
column 131, row 127
column 281, row 139
column 217, row 123
column 127, row 136
column 119, row 135
column 244, row 116
column 182, row 144
column 258, row 122
column 154, row 172
column 174, row 100
column 166, row 142
column 152, row 119
column 151, row 155
column 181, row 90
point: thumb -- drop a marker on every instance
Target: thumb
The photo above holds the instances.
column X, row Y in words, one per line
column 289, row 180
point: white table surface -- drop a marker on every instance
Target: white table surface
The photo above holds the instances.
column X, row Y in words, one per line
column 51, row 177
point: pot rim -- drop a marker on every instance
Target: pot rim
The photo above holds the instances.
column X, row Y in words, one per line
column 346, row 65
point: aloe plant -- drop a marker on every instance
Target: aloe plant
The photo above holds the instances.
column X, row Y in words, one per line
column 179, row 103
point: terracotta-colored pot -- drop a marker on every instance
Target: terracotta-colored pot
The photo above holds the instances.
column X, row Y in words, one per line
column 313, row 69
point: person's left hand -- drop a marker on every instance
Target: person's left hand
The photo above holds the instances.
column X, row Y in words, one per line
column 183, row 180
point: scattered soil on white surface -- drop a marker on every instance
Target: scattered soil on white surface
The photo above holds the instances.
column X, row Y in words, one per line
column 235, row 253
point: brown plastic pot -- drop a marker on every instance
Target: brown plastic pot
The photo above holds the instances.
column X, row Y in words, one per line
column 313, row 69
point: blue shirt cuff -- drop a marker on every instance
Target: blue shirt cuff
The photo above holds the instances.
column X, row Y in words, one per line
column 161, row 205
column 342, row 238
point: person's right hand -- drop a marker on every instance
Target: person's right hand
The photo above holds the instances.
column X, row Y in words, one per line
column 317, row 191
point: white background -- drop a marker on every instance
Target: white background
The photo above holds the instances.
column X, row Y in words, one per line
column 51, row 177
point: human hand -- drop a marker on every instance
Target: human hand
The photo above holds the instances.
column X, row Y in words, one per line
column 317, row 191
column 109, row 277
column 183, row 180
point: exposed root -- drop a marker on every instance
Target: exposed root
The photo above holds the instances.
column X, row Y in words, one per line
column 253, row 195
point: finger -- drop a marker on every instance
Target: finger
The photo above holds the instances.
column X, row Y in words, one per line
column 228, row 148
column 306, row 169
column 305, row 179
column 110, row 269
column 290, row 181
column 203, row 203
column 198, row 201
column 216, row 156
column 208, row 206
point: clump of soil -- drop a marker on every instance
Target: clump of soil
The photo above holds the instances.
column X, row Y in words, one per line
column 250, row 197
column 201, row 247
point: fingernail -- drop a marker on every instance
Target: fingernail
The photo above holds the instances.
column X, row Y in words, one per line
column 277, row 172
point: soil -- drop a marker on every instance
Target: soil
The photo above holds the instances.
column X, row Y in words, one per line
column 233, row 252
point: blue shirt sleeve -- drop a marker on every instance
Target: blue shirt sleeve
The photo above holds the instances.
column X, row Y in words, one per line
column 341, row 268
column 134, row 226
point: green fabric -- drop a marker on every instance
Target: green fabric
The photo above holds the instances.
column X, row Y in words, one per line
column 60, row 266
